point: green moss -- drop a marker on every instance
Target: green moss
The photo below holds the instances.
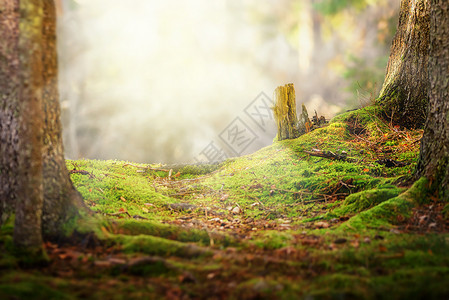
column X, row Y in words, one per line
column 419, row 191
column 446, row 211
column 272, row 240
column 151, row 266
column 415, row 283
column 7, row 228
column 364, row 116
column 382, row 215
column 198, row 169
column 260, row 288
column 158, row 246
column 133, row 227
column 366, row 199
column 386, row 213
column 25, row 286
column 340, row 286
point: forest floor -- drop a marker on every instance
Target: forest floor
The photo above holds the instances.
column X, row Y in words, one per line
column 329, row 215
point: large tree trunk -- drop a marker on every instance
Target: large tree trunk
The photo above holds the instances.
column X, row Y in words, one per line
column 35, row 183
column 434, row 155
column 61, row 200
column 29, row 201
column 9, row 108
column 21, row 121
column 404, row 94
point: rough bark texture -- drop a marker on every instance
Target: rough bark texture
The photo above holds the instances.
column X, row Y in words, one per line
column 61, row 200
column 9, row 108
column 434, row 155
column 29, row 201
column 35, row 184
column 404, row 94
column 285, row 112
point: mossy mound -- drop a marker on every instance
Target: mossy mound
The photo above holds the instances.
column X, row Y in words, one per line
column 361, row 201
column 279, row 223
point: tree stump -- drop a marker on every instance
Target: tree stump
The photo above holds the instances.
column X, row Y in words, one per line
column 285, row 112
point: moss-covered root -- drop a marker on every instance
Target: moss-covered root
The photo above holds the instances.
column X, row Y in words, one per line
column 158, row 246
column 364, row 200
column 201, row 236
column 386, row 213
column 146, row 237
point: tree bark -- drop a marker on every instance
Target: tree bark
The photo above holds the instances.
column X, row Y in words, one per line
column 61, row 200
column 434, row 154
column 35, row 183
column 29, row 201
column 9, row 108
column 404, row 94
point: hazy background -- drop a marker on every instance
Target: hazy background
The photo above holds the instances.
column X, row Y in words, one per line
column 159, row 81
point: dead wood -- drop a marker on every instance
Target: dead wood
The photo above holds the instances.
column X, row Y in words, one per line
column 330, row 155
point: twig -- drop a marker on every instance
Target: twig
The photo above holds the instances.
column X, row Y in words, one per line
column 82, row 172
column 329, row 154
column 120, row 213
column 390, row 163
column 146, row 168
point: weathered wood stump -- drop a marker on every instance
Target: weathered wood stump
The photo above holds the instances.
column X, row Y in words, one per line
column 285, row 112
column 289, row 125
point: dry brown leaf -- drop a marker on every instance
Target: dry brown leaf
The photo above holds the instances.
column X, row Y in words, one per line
column 321, row 224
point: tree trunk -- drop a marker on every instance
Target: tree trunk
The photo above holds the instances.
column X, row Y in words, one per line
column 29, row 201
column 9, row 108
column 61, row 200
column 434, row 155
column 404, row 94
column 35, row 183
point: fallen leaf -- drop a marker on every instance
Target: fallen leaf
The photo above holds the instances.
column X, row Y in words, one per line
column 117, row 261
column 122, row 198
column 382, row 248
column 321, row 224
column 102, row 263
column 355, row 243
column 186, row 278
column 104, row 230
column 236, row 210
